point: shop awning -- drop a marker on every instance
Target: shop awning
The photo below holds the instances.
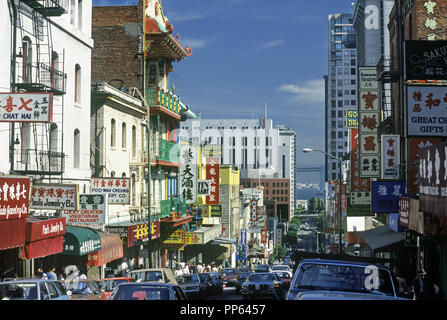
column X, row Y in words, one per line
column 381, row 237
column 12, row 233
column 111, row 249
column 80, row 241
column 43, row 237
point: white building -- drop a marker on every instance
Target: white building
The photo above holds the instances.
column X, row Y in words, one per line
column 52, row 53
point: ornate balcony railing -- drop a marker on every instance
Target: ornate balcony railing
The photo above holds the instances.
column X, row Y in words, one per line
column 39, row 77
column 41, row 162
column 158, row 97
column 172, row 205
column 168, row 151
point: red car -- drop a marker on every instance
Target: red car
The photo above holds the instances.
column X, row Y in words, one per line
column 108, row 284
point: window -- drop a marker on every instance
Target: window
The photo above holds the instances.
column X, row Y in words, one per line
column 72, row 11
column 112, row 133
column 353, row 71
column 27, row 59
column 123, row 136
column 77, row 93
column 134, row 141
column 76, row 149
column 80, row 14
column 53, row 143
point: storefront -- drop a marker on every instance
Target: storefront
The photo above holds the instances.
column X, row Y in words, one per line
column 111, row 249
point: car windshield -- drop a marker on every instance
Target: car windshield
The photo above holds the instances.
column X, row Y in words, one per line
column 261, row 277
column 142, row 293
column 154, row 276
column 22, row 291
column 78, row 287
column 228, row 272
column 244, row 275
column 204, row 276
column 368, row 279
column 188, row 279
column 109, row 285
column 283, row 275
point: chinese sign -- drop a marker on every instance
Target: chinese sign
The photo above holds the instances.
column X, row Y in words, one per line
column 404, row 211
column 433, row 179
column 264, row 236
column 212, row 174
column 425, row 60
column 360, row 198
column 390, row 156
column 203, row 188
column 253, row 210
column 368, row 124
column 357, row 183
column 212, row 150
column 212, row 211
column 386, row 194
column 417, row 144
column 427, row 111
column 188, row 173
column 243, row 236
column 26, row 107
column 117, row 189
column 14, row 197
column 92, row 211
column 177, row 237
column 352, row 119
column 55, row 196
column 140, row 232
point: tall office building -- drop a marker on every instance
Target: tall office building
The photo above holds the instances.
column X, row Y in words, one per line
column 341, row 87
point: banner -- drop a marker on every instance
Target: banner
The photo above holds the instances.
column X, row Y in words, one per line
column 55, row 196
column 357, row 183
column 212, row 174
column 14, row 197
column 26, row 107
column 92, row 211
column 390, row 156
column 117, row 189
column 416, row 144
column 188, row 173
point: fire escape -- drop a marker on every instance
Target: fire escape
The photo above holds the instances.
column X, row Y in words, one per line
column 38, row 147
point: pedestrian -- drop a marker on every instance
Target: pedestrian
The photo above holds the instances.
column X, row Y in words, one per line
column 39, row 273
column 178, row 272
column 124, row 267
column 214, row 269
column 194, row 268
column 185, row 269
column 199, row 268
column 401, row 282
column 52, row 273
column 423, row 286
column 208, row 268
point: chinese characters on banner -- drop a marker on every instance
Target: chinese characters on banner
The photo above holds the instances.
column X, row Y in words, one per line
column 253, row 210
column 427, row 111
column 55, row 196
column 117, row 189
column 92, row 211
column 390, row 156
column 386, row 195
column 264, row 236
column 369, row 119
column 26, row 107
column 212, row 174
column 357, row 183
column 404, row 211
column 188, row 173
column 14, row 197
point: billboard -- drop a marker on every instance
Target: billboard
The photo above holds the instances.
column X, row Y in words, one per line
column 26, row 107
column 117, row 189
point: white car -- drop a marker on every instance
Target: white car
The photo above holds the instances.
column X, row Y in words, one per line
column 280, row 267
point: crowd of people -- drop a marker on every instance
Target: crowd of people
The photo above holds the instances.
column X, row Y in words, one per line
column 421, row 287
column 194, row 268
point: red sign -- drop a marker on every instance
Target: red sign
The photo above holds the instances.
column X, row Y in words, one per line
column 404, row 211
column 253, row 210
column 212, row 174
column 14, row 198
column 357, row 183
column 141, row 232
column 37, row 229
column 263, row 236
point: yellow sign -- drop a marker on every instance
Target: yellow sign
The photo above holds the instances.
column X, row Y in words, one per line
column 178, row 237
column 189, row 237
column 352, row 119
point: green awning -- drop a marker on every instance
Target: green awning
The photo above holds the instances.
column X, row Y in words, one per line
column 80, row 241
column 257, row 248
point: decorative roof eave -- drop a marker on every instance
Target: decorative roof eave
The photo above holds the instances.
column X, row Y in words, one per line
column 165, row 45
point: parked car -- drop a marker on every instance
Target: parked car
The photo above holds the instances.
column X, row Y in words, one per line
column 83, row 289
column 108, row 284
column 317, row 279
column 285, row 277
column 163, row 275
column 217, row 282
column 241, row 279
column 207, row 280
column 229, row 276
column 263, row 268
column 191, row 285
column 33, row 289
column 261, row 285
column 148, row 291
column 280, row 267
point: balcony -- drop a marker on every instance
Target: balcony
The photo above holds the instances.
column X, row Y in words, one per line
column 39, row 77
column 171, row 205
column 169, row 152
column 164, row 102
column 39, row 162
column 53, row 8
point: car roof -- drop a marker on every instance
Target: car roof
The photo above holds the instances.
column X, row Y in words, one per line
column 149, row 284
column 342, row 262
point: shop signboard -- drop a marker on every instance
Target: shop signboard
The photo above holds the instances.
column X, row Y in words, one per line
column 357, row 183
column 264, row 236
column 37, row 229
column 390, row 156
column 352, row 119
column 410, row 238
column 212, row 174
column 243, row 236
column 425, row 60
column 427, row 111
column 386, row 194
column 117, row 189
column 26, row 107
column 253, row 210
column 55, row 196
column 177, row 237
column 188, row 173
column 212, row 150
column 393, row 222
column 212, row 211
column 417, row 144
column 362, row 198
column 203, row 187
column 404, row 211
column 92, row 211
column 14, row 197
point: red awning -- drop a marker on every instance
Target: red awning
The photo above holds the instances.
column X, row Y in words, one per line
column 43, row 248
column 111, row 249
column 12, row 233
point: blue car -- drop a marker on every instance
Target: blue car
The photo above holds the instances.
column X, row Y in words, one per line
column 148, row 291
column 33, row 289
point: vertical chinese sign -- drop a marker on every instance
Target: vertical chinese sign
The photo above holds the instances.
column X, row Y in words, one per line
column 188, row 173
column 416, row 144
column 369, row 119
column 253, row 210
column 357, row 183
column 26, row 107
column 212, row 174
column 390, row 156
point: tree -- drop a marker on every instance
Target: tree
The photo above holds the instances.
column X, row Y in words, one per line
column 313, row 204
column 320, row 205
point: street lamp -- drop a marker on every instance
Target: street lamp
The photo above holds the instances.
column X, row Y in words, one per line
column 307, row 150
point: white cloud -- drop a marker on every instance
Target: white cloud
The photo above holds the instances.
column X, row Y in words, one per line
column 194, row 43
column 272, row 44
column 311, row 91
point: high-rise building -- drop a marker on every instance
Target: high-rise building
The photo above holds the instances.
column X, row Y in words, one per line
column 341, row 87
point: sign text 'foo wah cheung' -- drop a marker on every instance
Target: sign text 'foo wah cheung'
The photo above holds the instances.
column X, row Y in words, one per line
column 117, row 189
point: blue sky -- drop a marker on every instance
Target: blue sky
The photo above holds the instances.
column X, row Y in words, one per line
column 249, row 52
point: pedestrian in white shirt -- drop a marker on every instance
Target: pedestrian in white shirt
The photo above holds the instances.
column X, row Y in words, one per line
column 199, row 268
column 185, row 269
